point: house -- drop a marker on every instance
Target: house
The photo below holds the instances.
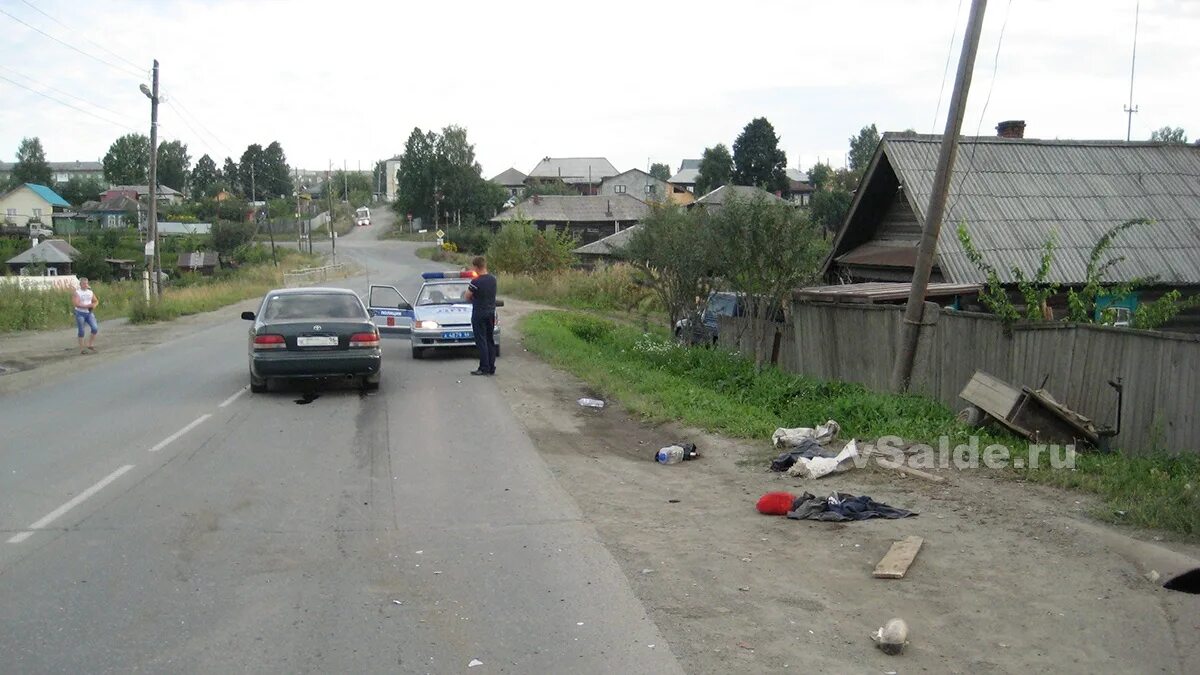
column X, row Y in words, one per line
column 1013, row 194
column 31, row 204
column 606, row 249
column 800, row 189
column 166, row 229
column 684, row 180
column 57, row 255
column 512, row 181
column 635, row 183
column 61, row 172
column 115, row 213
column 203, row 262
column 716, row 198
column 390, row 167
column 588, row 217
column 121, row 268
column 166, row 195
column 582, row 173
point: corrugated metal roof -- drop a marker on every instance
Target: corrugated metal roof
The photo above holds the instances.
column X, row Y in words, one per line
column 610, row 244
column 1012, row 193
column 574, row 169
column 509, row 178
column 576, row 209
column 49, row 251
column 47, row 194
column 685, row 176
column 690, row 164
column 719, row 195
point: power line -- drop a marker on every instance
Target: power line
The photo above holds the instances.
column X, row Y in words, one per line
column 72, row 47
column 183, row 119
column 946, row 69
column 60, row 91
column 184, row 109
column 73, row 107
column 97, row 45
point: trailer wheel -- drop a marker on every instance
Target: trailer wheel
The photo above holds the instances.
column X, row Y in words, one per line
column 972, row 416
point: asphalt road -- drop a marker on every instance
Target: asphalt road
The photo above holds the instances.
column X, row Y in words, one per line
column 157, row 517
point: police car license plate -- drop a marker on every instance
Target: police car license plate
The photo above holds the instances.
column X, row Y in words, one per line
column 317, row 341
column 458, row 335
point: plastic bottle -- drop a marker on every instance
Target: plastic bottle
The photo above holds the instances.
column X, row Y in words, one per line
column 591, row 403
column 672, row 454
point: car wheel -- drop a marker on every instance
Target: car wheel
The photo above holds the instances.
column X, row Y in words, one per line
column 418, row 352
column 258, row 386
column 371, row 382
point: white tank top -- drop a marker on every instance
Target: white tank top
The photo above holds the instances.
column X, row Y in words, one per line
column 84, row 297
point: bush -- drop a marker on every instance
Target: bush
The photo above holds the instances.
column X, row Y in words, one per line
column 474, row 240
column 520, row 248
column 605, row 288
column 252, row 254
column 227, row 236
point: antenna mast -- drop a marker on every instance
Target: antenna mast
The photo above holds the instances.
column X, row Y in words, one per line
column 1131, row 108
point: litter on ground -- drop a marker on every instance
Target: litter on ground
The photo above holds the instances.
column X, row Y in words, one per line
column 790, row 438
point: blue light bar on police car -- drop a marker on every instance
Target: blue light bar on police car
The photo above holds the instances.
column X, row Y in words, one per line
column 465, row 274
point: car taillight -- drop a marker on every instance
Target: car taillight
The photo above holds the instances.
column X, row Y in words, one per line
column 364, row 340
column 269, row 342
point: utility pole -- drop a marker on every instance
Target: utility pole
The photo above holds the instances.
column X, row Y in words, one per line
column 332, row 232
column 299, row 227
column 910, row 330
column 156, row 258
column 1131, row 108
column 257, row 220
column 345, row 183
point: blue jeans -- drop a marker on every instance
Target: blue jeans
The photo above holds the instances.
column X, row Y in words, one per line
column 86, row 318
column 483, row 327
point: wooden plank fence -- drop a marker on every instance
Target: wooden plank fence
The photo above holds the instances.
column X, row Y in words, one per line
column 858, row 343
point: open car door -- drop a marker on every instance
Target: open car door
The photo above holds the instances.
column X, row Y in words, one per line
column 389, row 309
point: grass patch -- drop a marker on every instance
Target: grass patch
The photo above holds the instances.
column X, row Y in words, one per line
column 438, row 254
column 607, row 288
column 720, row 391
column 187, row 294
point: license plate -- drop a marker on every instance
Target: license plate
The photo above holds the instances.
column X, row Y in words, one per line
column 317, row 341
column 457, row 336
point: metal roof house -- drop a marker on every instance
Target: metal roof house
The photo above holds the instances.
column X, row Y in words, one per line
column 30, row 204
column 588, row 217
column 607, row 248
column 581, row 173
column 1014, row 193
column 685, row 178
column 511, row 180
column 57, row 255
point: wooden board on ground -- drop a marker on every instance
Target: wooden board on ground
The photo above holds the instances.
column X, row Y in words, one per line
column 992, row 395
column 898, row 558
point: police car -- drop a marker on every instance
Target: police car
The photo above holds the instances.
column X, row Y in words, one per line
column 439, row 319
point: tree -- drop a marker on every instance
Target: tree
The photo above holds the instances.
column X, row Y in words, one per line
column 676, row 256
column 128, row 161
column 356, row 182
column 862, row 149
column 276, row 174
column 1169, row 135
column 660, row 171
column 768, row 248
column 205, row 177
column 828, row 208
column 228, row 235
column 174, row 163
column 438, row 175
column 716, row 169
column 31, row 166
column 80, row 189
column 230, row 177
column 250, row 170
column 819, row 175
column 757, row 159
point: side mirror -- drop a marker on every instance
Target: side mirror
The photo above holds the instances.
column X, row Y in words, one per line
column 499, row 303
column 248, row 316
column 404, row 305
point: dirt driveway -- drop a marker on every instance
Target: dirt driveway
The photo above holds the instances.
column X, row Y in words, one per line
column 1010, row 579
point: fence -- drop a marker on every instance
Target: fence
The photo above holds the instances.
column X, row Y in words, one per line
column 859, row 343
column 312, row 275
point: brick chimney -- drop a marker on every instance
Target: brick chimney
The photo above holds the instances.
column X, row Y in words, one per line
column 1011, row 129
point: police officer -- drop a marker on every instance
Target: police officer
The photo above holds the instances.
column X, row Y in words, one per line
column 482, row 294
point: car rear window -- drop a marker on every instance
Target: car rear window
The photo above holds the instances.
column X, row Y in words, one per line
column 316, row 305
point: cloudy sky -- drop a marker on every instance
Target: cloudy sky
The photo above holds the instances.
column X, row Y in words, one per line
column 634, row 81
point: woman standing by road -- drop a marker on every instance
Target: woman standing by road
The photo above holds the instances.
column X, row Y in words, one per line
column 85, row 302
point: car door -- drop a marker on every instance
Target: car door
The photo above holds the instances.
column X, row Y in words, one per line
column 389, row 310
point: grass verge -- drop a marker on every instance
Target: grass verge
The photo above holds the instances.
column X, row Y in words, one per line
column 438, row 254
column 720, row 391
column 607, row 288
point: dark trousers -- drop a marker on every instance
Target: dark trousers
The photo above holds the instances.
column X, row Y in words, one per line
column 484, row 326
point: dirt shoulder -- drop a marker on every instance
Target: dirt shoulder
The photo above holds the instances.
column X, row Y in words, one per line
column 1007, row 581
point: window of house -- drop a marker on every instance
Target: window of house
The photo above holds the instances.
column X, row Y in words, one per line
column 650, row 188
column 619, row 189
column 37, row 213
column 12, row 212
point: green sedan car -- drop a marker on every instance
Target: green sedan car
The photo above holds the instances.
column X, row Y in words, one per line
column 313, row 334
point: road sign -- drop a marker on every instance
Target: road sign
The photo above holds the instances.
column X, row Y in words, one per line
column 439, row 241
column 440, row 234
column 149, row 248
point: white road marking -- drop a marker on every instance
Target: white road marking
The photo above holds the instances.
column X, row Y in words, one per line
column 233, row 398
column 175, row 436
column 56, row 513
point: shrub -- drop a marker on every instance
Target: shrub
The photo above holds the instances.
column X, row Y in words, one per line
column 520, row 248
column 474, row 240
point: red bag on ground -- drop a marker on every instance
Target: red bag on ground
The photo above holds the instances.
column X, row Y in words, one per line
column 776, row 503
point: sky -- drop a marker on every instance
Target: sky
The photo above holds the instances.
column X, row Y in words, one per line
column 634, row 81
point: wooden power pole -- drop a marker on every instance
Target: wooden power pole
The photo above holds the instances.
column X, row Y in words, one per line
column 152, row 188
column 910, row 330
